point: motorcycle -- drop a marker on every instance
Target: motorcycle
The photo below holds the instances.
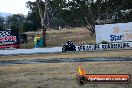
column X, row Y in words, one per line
column 67, row 47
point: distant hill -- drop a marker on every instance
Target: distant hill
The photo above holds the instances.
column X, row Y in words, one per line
column 4, row 14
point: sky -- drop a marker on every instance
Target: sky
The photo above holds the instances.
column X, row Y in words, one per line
column 14, row 6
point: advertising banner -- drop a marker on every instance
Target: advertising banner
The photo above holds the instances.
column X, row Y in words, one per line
column 121, row 45
column 120, row 32
column 9, row 38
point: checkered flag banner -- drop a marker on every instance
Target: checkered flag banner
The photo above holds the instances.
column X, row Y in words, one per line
column 9, row 38
column 5, row 33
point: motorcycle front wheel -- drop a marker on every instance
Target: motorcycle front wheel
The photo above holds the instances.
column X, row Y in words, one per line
column 63, row 49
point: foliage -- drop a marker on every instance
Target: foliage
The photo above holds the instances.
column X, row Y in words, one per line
column 76, row 13
column 28, row 26
column 56, row 22
column 1, row 23
column 15, row 22
column 34, row 20
column 70, row 13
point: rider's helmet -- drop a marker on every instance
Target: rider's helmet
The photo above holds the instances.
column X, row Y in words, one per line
column 69, row 42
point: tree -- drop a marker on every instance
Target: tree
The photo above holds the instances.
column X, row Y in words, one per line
column 90, row 18
column 34, row 19
column 28, row 26
column 114, row 10
column 81, row 11
column 39, row 9
column 16, row 21
column 77, row 13
column 2, row 20
column 43, row 14
column 56, row 22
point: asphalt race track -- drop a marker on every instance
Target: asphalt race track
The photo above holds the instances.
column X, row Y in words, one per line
column 64, row 60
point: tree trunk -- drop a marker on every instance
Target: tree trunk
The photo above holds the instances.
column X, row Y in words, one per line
column 42, row 15
column 90, row 21
column 44, row 25
column 44, row 36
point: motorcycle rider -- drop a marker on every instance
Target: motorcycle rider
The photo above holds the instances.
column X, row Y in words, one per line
column 69, row 46
column 69, row 43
